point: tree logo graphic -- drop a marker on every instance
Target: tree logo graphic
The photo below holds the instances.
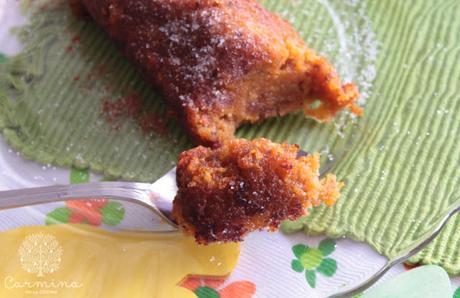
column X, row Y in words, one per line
column 40, row 254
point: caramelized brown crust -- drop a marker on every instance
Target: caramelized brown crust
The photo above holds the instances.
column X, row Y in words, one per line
column 221, row 63
column 244, row 186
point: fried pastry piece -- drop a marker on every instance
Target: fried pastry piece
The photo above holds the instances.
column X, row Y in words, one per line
column 222, row 63
column 244, row 186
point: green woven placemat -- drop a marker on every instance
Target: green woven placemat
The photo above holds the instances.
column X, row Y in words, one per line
column 400, row 161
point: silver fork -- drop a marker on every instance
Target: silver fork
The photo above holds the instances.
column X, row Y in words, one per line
column 406, row 252
column 158, row 198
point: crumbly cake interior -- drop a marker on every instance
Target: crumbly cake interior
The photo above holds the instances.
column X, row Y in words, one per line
column 244, row 186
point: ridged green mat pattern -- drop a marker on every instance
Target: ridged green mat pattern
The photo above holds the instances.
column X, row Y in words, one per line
column 400, row 162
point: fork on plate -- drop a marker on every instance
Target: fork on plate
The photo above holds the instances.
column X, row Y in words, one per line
column 158, row 197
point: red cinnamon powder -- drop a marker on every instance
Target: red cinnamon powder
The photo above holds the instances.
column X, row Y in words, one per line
column 152, row 122
column 130, row 106
column 74, row 41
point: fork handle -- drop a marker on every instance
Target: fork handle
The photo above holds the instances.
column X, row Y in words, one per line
column 48, row 194
column 137, row 193
column 432, row 232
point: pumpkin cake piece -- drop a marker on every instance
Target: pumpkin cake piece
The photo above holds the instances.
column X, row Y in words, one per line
column 244, row 186
column 222, row 63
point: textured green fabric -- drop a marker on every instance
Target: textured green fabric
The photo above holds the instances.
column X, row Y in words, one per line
column 59, row 82
column 400, row 161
